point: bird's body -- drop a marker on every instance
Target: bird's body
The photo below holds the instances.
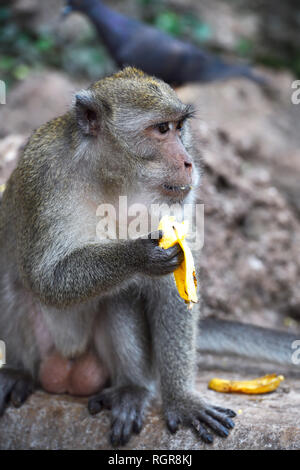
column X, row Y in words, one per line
column 131, row 42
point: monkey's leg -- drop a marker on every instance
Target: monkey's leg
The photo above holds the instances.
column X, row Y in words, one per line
column 15, row 387
column 122, row 339
column 174, row 330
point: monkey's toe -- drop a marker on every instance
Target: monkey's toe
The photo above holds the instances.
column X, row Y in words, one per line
column 227, row 411
column 15, row 387
column 202, row 418
column 128, row 406
column 99, row 402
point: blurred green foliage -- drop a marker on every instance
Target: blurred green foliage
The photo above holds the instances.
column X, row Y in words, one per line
column 19, row 50
column 244, row 47
column 183, row 24
column 23, row 50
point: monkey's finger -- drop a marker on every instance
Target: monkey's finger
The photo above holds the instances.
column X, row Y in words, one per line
column 227, row 411
column 138, row 423
column 175, row 250
column 21, row 391
column 116, row 435
column 170, row 266
column 127, row 431
column 173, row 257
column 224, row 419
column 138, row 420
column 214, row 424
column 202, row 432
column 166, row 261
column 176, row 261
column 173, row 422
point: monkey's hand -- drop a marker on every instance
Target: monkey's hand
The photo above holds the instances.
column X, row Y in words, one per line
column 156, row 261
column 194, row 412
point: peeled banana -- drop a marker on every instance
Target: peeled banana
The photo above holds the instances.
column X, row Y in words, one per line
column 185, row 277
column 265, row 384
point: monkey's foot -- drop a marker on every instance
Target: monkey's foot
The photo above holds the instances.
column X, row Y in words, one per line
column 15, row 387
column 201, row 417
column 127, row 405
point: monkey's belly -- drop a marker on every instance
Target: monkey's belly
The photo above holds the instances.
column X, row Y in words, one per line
column 83, row 376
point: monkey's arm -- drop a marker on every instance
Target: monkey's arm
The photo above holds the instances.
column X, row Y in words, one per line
column 238, row 339
column 96, row 269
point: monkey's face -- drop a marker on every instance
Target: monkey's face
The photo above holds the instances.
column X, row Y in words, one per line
column 169, row 167
column 156, row 142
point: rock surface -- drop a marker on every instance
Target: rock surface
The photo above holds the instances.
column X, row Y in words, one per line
column 36, row 100
column 46, row 422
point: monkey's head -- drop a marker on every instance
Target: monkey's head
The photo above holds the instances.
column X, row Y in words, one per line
column 143, row 126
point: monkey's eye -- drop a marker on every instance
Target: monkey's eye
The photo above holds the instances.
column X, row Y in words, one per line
column 163, row 127
column 180, row 124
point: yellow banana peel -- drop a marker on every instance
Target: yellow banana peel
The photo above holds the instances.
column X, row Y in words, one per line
column 185, row 277
column 265, row 384
column 2, row 188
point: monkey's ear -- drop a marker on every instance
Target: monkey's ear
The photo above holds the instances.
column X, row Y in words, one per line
column 88, row 117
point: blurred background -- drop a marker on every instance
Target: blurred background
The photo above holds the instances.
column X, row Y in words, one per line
column 247, row 137
column 33, row 38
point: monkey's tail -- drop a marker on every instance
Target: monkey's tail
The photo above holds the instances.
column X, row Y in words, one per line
column 237, row 339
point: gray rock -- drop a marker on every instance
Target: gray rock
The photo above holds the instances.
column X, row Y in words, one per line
column 270, row 421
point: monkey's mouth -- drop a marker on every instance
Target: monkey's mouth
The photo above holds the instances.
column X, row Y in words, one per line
column 172, row 190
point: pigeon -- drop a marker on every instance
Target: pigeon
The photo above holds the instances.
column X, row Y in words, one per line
column 131, row 42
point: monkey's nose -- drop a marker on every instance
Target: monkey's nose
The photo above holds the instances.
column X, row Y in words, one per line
column 188, row 165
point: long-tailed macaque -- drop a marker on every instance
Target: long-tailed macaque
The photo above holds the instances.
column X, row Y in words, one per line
column 89, row 315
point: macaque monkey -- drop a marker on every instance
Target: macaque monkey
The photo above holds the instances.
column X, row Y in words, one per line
column 84, row 314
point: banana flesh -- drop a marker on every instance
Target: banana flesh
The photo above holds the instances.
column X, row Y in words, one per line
column 185, row 277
